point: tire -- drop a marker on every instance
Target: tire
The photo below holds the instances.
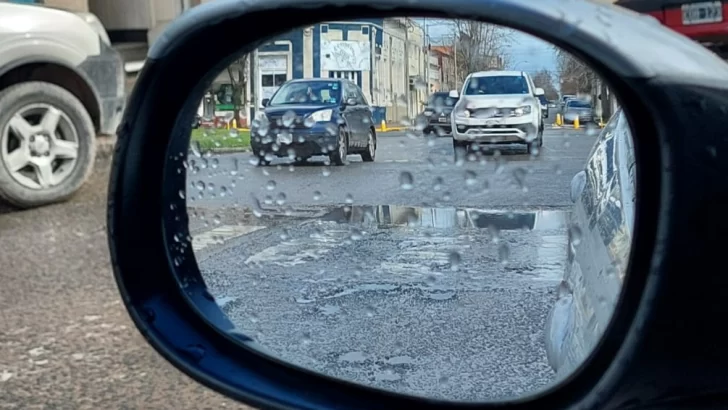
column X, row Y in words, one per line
column 538, row 143
column 461, row 146
column 370, row 152
column 23, row 187
column 338, row 157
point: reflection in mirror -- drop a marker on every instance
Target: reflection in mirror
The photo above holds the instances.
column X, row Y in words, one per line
column 433, row 207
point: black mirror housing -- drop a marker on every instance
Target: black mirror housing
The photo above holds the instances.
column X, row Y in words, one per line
column 187, row 327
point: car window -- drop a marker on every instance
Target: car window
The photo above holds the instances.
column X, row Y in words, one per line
column 351, row 92
column 578, row 104
column 361, row 99
column 441, row 100
column 307, row 92
column 497, row 84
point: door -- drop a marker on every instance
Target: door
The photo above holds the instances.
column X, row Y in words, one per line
column 353, row 114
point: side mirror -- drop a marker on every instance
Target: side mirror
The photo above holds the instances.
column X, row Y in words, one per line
column 265, row 102
column 454, row 94
column 539, row 91
column 350, row 101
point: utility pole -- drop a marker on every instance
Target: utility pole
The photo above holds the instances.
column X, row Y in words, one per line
column 256, row 82
column 406, row 67
column 455, row 58
column 427, row 61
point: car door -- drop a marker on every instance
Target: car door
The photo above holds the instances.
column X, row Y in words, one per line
column 367, row 116
column 353, row 114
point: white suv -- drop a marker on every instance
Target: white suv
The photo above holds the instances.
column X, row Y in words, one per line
column 497, row 107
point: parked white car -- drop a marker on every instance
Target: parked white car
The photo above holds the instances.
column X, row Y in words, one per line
column 61, row 84
column 497, row 107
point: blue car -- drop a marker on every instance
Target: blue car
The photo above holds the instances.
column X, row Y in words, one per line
column 310, row 117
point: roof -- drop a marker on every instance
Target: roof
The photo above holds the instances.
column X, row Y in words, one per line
column 447, row 50
column 497, row 73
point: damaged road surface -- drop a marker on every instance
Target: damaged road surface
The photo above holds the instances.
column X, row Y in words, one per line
column 443, row 302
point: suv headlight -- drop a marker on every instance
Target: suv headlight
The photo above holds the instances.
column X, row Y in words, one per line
column 462, row 113
column 322, row 115
column 526, row 109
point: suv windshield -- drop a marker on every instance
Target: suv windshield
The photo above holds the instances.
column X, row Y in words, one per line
column 500, row 84
column 578, row 104
column 441, row 100
column 308, row 92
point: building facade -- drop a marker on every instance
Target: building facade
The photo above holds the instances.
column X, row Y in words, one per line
column 385, row 57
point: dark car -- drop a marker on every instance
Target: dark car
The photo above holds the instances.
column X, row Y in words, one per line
column 436, row 115
column 600, row 236
column 544, row 105
column 310, row 117
column 578, row 109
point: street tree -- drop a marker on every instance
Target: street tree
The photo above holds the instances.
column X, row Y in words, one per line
column 575, row 77
column 479, row 46
column 544, row 79
column 237, row 74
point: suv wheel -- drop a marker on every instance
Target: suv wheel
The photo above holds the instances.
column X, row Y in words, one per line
column 338, row 156
column 47, row 144
column 370, row 152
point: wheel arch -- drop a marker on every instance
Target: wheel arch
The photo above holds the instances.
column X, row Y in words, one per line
column 68, row 78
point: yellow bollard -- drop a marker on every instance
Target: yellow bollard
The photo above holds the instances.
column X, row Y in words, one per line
column 235, row 123
column 559, row 122
column 384, row 126
column 576, row 123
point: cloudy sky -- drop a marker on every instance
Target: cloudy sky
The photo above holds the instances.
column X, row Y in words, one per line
column 526, row 52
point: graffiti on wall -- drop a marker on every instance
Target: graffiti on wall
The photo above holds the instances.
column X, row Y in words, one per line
column 343, row 55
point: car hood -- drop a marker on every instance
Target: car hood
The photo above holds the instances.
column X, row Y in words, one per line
column 496, row 100
column 301, row 110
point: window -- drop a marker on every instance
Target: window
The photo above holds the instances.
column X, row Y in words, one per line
column 308, row 92
column 324, row 28
column 273, row 80
column 352, row 76
column 578, row 104
column 365, row 30
column 497, row 84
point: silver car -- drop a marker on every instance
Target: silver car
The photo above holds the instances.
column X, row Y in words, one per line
column 580, row 109
column 600, row 236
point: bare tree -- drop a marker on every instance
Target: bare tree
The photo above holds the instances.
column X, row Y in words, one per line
column 238, row 82
column 544, row 79
column 479, row 46
column 574, row 76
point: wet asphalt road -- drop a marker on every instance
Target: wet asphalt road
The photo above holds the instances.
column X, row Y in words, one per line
column 440, row 288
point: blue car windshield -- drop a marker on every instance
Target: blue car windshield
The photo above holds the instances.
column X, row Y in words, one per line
column 308, row 92
column 491, row 85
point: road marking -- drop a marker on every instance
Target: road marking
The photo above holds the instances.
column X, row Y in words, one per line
column 221, row 234
column 299, row 251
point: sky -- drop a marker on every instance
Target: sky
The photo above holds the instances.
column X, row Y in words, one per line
column 526, row 52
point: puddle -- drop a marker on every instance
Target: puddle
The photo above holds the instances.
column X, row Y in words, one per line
column 384, row 216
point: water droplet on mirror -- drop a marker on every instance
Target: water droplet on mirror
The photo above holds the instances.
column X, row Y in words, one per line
column 454, row 259
column 575, row 233
column 281, row 198
column 270, row 185
column 349, row 199
column 406, row 181
column 316, row 195
column 504, row 253
column 288, row 119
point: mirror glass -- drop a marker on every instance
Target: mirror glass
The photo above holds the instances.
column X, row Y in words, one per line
column 448, row 234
